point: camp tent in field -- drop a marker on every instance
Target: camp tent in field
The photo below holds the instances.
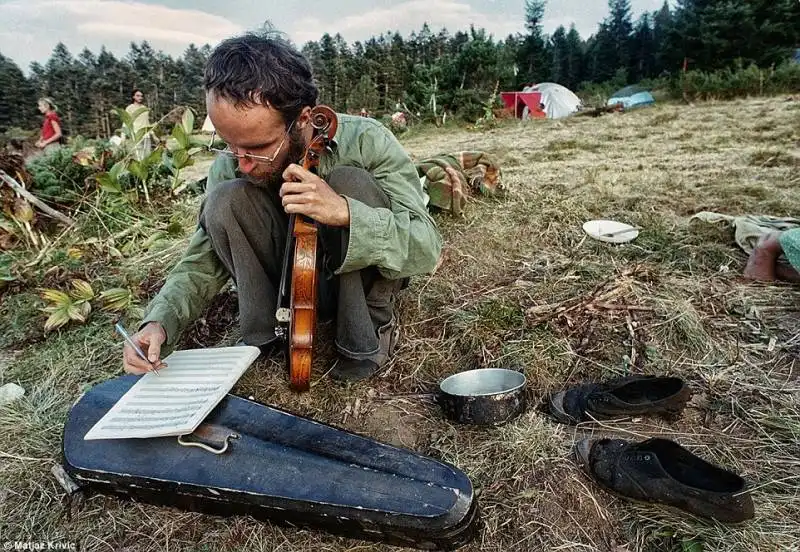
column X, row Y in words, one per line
column 631, row 97
column 524, row 105
column 558, row 101
column 546, row 100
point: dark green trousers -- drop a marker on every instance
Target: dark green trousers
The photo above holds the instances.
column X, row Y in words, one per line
column 247, row 227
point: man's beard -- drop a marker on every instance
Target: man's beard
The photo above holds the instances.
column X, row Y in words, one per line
column 274, row 178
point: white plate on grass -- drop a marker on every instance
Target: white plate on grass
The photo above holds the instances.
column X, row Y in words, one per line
column 610, row 231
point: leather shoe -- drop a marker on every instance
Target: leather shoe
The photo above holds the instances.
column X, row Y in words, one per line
column 622, row 397
column 351, row 370
column 661, row 471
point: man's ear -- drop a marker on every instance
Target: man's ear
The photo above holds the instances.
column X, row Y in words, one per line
column 304, row 118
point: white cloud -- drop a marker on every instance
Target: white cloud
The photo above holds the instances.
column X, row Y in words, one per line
column 406, row 17
column 97, row 16
column 33, row 27
column 139, row 32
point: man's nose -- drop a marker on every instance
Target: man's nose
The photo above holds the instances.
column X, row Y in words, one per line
column 246, row 165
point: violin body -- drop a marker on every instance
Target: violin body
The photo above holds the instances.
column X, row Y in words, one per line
column 303, row 299
column 304, row 304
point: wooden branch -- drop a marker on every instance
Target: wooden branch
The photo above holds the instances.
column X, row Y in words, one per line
column 17, row 187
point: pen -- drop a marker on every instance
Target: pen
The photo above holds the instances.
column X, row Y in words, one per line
column 133, row 344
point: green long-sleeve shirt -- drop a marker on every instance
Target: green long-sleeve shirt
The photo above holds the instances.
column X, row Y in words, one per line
column 400, row 241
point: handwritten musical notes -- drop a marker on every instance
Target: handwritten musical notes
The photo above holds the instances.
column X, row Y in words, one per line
column 177, row 399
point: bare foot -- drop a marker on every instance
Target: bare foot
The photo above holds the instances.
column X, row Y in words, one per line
column 761, row 264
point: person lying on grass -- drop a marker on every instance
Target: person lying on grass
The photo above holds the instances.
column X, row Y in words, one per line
column 764, row 264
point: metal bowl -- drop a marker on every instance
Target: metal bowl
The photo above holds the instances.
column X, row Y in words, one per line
column 487, row 396
column 483, row 382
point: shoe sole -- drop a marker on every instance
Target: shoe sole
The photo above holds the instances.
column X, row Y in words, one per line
column 557, row 409
column 583, row 449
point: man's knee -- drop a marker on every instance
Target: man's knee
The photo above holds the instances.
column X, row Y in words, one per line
column 221, row 204
column 358, row 184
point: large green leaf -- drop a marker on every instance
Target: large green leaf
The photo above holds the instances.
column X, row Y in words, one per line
column 108, row 183
column 140, row 134
column 154, row 157
column 118, row 170
column 58, row 318
column 124, row 116
column 181, row 159
column 58, row 298
column 82, row 290
column 116, row 299
column 187, row 121
column 138, row 169
column 135, row 115
column 181, row 137
column 79, row 311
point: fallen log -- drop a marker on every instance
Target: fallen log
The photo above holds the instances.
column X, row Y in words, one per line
column 17, row 187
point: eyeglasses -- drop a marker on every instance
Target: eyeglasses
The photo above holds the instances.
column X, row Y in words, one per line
column 248, row 156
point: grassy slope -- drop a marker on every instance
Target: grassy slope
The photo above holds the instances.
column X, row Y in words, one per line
column 508, row 267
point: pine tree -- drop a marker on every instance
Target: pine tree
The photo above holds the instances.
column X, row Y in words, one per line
column 643, row 50
column 17, row 98
column 712, row 34
column 601, row 55
column 575, row 59
column 620, row 30
column 61, row 83
column 662, row 23
column 533, row 63
column 559, row 68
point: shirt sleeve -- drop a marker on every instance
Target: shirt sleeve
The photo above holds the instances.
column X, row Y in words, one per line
column 195, row 280
column 400, row 241
column 790, row 243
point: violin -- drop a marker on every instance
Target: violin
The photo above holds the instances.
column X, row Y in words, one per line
column 298, row 308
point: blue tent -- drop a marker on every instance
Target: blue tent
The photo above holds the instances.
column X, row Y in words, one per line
column 631, row 97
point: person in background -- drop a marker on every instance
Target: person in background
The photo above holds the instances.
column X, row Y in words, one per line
column 141, row 118
column 51, row 133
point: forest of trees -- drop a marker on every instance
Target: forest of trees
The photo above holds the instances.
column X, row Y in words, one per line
column 426, row 71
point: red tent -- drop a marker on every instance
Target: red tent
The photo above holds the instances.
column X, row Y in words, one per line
column 516, row 102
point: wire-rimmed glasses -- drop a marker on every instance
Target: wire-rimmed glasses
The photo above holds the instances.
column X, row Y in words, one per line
column 228, row 152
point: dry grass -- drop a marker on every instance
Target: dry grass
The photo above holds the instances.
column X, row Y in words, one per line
column 520, row 286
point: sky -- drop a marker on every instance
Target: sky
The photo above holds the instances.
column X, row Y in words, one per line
column 29, row 29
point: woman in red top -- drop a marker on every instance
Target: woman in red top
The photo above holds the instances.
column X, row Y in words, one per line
column 51, row 127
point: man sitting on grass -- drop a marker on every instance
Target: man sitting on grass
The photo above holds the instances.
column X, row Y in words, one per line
column 367, row 199
column 764, row 265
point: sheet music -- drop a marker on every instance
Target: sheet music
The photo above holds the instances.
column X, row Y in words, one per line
column 177, row 399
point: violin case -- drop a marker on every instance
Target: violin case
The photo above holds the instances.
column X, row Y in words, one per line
column 278, row 467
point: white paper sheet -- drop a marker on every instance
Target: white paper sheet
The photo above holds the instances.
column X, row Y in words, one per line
column 177, row 399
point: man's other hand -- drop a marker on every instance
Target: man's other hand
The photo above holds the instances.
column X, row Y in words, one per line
column 149, row 339
column 304, row 193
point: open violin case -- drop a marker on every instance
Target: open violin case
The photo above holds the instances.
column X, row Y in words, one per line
column 280, row 467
